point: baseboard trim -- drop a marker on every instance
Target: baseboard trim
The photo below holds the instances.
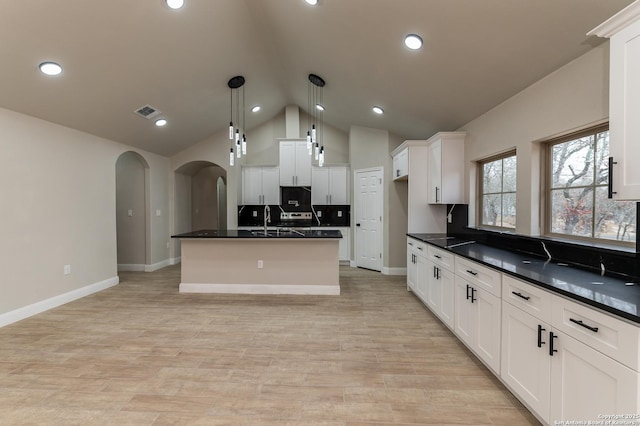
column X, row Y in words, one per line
column 394, row 271
column 299, row 289
column 131, row 267
column 156, row 266
column 55, row 301
column 353, row 264
column 175, row 260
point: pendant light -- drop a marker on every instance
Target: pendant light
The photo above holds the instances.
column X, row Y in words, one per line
column 315, row 135
column 235, row 84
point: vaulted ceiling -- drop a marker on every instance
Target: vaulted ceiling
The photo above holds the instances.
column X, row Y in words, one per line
column 119, row 55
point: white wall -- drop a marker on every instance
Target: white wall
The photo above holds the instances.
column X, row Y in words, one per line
column 574, row 96
column 58, row 208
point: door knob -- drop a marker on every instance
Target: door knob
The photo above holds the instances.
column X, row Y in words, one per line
column 357, row 224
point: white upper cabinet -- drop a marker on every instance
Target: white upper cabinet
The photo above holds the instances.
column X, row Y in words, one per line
column 329, row 185
column 401, row 164
column 260, row 185
column 295, row 163
column 624, row 100
column 445, row 168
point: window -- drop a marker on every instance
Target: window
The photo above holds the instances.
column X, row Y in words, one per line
column 578, row 178
column 498, row 192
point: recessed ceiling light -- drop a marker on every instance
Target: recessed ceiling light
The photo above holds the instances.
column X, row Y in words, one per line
column 160, row 122
column 413, row 41
column 319, row 107
column 175, row 4
column 255, row 108
column 312, row 2
column 378, row 110
column 50, row 68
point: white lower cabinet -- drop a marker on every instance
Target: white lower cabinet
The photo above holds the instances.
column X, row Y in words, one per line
column 586, row 385
column 566, row 361
column 553, row 372
column 440, row 290
column 526, row 364
column 477, row 321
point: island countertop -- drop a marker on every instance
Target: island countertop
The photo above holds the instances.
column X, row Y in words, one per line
column 259, row 233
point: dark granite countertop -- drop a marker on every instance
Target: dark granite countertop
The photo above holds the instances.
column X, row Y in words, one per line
column 259, row 233
column 611, row 294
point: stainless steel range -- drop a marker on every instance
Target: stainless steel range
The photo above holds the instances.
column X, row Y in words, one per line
column 296, row 219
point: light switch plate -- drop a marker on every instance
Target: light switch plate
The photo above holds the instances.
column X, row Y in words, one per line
column 158, row 212
column 129, row 212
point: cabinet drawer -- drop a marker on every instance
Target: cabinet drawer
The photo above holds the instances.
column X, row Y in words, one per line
column 419, row 246
column 617, row 339
column 441, row 258
column 480, row 275
column 529, row 298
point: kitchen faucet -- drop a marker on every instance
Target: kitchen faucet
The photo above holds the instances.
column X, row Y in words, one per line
column 267, row 217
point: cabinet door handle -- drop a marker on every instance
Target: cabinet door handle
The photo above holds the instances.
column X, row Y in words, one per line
column 330, row 199
column 520, row 295
column 472, row 273
column 437, row 273
column 473, row 294
column 540, row 330
column 397, row 172
column 436, row 194
column 434, row 272
column 582, row 324
column 468, row 288
column 610, row 191
column 551, row 337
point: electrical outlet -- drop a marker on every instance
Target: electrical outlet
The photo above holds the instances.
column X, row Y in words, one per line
column 449, row 218
column 260, row 264
column 254, row 213
column 319, row 214
column 67, row 269
column 130, row 213
column 167, row 245
column 158, row 212
column 339, row 213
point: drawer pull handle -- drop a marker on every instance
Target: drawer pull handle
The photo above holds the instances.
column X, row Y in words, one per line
column 540, row 330
column 581, row 324
column 472, row 273
column 551, row 337
column 420, row 248
column 411, row 244
column 520, row 295
column 437, row 257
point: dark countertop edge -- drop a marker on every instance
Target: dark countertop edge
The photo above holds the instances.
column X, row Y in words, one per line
column 247, row 235
column 434, row 239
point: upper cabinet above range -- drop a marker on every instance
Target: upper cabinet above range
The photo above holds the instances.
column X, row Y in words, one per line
column 624, row 100
column 445, row 168
column 295, row 163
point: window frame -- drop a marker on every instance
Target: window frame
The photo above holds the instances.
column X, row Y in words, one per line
column 481, row 194
column 547, row 196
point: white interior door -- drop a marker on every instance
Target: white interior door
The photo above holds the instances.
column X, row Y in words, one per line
column 368, row 218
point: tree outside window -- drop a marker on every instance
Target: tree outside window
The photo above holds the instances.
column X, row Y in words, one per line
column 578, row 203
column 499, row 192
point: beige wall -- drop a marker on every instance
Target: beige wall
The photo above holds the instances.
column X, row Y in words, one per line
column 58, row 197
column 572, row 97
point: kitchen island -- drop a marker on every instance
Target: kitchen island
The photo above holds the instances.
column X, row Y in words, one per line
column 259, row 262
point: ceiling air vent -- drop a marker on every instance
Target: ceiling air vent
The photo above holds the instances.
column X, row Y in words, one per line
column 147, row 112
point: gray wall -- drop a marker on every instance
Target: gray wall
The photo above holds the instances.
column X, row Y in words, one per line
column 204, row 197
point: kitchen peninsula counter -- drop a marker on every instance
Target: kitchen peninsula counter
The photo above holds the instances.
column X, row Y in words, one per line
column 252, row 262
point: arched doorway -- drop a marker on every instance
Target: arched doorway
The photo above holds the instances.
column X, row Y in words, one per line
column 200, row 198
column 132, row 212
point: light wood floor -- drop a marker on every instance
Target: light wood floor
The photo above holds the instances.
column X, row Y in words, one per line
column 140, row 353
